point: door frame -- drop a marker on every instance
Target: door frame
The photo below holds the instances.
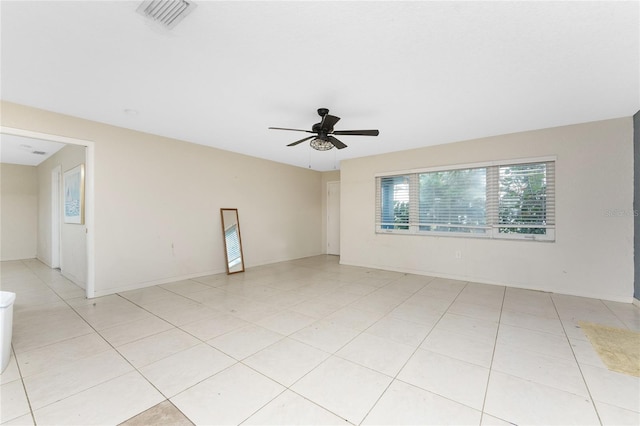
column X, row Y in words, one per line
column 88, row 192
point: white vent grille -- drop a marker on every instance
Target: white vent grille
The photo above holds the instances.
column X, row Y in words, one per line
column 166, row 12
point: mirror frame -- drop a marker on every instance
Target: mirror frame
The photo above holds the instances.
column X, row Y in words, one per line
column 224, row 240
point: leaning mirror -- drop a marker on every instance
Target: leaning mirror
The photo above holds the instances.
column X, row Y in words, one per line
column 232, row 240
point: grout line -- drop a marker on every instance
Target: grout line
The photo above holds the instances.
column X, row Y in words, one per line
column 395, row 377
column 493, row 354
column 24, row 387
column 586, row 385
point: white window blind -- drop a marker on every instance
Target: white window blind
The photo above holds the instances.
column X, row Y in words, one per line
column 233, row 245
column 453, row 201
column 495, row 201
column 392, row 197
column 526, row 199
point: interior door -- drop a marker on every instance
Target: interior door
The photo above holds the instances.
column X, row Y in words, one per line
column 333, row 218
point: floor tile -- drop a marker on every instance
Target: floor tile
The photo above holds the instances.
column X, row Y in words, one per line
column 474, row 349
column 185, row 287
column 134, row 330
column 473, row 310
column 448, row 377
column 379, row 301
column 541, row 307
column 540, row 368
column 488, row 420
column 26, row 420
column 317, row 307
column 404, row 404
column 286, row 361
column 419, row 313
column 586, row 354
column 57, row 354
column 13, row 401
column 436, row 336
column 111, row 402
column 185, row 315
column 290, row 408
column 535, row 341
column 468, row 326
column 245, row 341
column 211, row 327
column 521, row 401
column 488, row 300
column 184, row 369
column 344, row 388
column 325, row 335
column 229, row 397
column 62, row 381
column 105, row 315
column 532, row 322
column 287, row 322
column 354, row 318
column 156, row 347
column 613, row 388
column 612, row 415
column 398, row 330
column 10, row 373
column 377, row 353
column 45, row 330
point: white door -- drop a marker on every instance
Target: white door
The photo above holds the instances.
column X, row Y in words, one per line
column 333, row 218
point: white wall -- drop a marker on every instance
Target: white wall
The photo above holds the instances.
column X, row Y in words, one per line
column 73, row 238
column 593, row 252
column 19, row 204
column 157, row 203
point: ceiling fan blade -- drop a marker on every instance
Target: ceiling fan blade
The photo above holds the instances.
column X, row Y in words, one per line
column 300, row 141
column 295, row 130
column 328, row 121
column 338, row 144
column 357, row 132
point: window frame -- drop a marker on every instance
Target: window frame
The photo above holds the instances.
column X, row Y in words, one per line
column 493, row 225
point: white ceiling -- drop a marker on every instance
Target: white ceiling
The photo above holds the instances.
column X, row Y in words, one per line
column 423, row 73
column 26, row 151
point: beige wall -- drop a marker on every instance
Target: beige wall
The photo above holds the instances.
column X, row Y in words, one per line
column 19, row 202
column 593, row 252
column 157, row 203
column 73, row 238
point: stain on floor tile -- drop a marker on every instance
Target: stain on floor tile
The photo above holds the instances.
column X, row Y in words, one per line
column 164, row 413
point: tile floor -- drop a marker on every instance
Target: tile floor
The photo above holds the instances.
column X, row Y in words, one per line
column 308, row 341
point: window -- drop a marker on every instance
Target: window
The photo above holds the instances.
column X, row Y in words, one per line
column 453, row 201
column 233, row 245
column 394, row 202
column 494, row 201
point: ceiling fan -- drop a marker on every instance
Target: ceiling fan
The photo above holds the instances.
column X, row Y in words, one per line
column 323, row 140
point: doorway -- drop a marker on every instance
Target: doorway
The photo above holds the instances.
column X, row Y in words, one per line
column 333, row 218
column 56, row 175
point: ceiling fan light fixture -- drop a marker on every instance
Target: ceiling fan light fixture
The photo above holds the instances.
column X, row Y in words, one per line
column 321, row 144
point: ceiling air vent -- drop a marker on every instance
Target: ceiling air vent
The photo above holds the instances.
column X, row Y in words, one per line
column 166, row 12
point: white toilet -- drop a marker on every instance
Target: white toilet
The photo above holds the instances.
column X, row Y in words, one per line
column 6, row 326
